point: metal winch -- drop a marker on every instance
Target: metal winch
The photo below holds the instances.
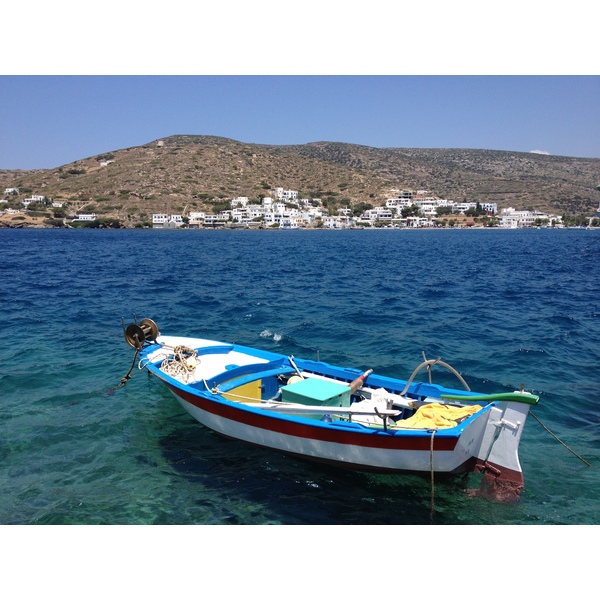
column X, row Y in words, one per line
column 137, row 334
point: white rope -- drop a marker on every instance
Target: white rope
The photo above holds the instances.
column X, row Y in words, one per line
column 181, row 364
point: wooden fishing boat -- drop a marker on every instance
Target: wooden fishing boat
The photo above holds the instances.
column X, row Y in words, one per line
column 340, row 415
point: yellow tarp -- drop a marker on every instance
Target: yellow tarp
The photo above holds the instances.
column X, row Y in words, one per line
column 438, row 416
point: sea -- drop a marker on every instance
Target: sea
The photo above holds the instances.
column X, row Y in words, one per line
column 78, row 447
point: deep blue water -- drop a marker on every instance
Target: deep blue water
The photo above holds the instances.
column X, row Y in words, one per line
column 503, row 307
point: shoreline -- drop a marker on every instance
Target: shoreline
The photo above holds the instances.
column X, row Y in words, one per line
column 38, row 226
column 12, row 221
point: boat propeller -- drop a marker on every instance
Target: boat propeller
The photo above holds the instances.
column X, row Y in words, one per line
column 136, row 334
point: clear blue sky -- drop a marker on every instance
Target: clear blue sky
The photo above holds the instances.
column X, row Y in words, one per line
column 48, row 121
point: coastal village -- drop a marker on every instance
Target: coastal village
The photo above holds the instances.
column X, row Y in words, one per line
column 284, row 209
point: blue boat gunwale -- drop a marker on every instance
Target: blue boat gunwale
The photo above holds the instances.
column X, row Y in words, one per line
column 417, row 390
column 204, row 391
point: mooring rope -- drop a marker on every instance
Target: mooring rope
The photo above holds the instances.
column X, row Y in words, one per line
column 128, row 376
column 560, row 441
column 432, row 476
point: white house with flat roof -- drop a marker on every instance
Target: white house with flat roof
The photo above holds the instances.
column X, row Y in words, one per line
column 164, row 221
column 159, row 219
column 515, row 219
column 285, row 195
column 338, row 222
column 490, row 207
column 462, row 207
column 379, row 213
column 256, row 211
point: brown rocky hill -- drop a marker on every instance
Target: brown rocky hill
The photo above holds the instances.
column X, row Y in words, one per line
column 205, row 172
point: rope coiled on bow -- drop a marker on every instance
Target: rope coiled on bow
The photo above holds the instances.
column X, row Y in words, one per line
column 181, row 364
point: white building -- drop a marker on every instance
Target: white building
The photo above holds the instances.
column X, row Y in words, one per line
column 515, row 219
column 28, row 201
column 309, row 201
column 86, row 217
column 397, row 204
column 164, row 221
column 197, row 216
column 159, row 219
column 379, row 213
column 462, row 207
column 211, row 220
column 214, row 220
column 347, row 212
column 429, row 206
column 289, row 222
column 415, row 222
column 338, row 222
column 239, row 214
column 256, row 211
column 196, row 219
column 285, row 195
column 290, row 196
column 489, row 207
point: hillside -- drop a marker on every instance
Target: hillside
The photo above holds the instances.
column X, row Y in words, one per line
column 204, row 172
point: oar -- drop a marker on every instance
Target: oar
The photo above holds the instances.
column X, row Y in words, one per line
column 289, row 408
column 522, row 397
column 291, row 359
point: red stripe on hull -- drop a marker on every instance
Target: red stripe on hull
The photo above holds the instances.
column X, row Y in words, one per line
column 368, row 438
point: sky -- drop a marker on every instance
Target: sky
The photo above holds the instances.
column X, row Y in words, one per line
column 382, row 77
column 48, row 121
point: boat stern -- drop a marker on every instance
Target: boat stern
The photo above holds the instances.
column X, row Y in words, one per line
column 498, row 456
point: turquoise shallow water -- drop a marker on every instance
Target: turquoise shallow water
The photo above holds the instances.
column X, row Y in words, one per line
column 503, row 307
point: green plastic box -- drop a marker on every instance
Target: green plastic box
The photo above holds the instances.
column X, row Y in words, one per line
column 317, row 392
